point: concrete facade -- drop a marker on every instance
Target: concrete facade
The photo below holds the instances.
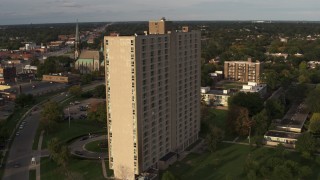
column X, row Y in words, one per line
column 242, row 71
column 153, row 97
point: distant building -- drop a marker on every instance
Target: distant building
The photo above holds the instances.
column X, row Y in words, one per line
column 7, row 75
column 284, row 55
column 30, row 46
column 313, row 64
column 242, row 71
column 253, row 87
column 215, row 97
column 61, row 78
column 216, row 76
column 88, row 62
column 287, row 130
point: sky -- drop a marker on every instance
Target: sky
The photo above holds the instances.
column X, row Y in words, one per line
column 62, row 11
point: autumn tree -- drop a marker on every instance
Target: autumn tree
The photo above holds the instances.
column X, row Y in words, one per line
column 239, row 121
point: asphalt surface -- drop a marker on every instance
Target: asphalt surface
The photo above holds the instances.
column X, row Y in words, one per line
column 77, row 148
column 37, row 87
column 20, row 153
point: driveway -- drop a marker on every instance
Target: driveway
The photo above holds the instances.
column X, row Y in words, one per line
column 77, row 148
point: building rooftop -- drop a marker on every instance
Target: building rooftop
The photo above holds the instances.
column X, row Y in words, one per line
column 282, row 134
column 295, row 117
column 89, row 55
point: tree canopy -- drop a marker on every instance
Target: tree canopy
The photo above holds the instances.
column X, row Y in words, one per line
column 51, row 114
column 252, row 101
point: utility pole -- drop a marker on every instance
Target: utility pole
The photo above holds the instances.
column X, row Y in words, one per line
column 249, row 134
column 69, row 115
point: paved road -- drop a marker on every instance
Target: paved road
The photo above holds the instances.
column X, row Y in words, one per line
column 79, row 146
column 40, row 87
column 20, row 153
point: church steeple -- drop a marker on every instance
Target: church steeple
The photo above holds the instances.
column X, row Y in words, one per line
column 77, row 43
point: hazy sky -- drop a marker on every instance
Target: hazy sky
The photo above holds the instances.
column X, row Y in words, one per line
column 56, row 11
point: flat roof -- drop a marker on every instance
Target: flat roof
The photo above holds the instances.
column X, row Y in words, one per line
column 217, row 92
column 282, row 134
column 295, row 117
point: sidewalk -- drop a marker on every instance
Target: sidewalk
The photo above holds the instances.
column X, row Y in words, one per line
column 38, row 158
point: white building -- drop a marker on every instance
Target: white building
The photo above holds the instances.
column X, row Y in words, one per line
column 215, row 97
column 253, row 87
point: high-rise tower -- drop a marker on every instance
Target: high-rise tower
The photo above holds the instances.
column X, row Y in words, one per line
column 153, row 97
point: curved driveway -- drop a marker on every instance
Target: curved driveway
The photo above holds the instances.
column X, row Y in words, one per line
column 77, row 148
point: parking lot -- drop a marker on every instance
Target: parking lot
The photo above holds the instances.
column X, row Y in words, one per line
column 79, row 109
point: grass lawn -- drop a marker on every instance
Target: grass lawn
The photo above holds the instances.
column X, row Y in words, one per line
column 228, row 162
column 77, row 168
column 219, row 119
column 77, row 128
column 32, row 174
column 94, row 146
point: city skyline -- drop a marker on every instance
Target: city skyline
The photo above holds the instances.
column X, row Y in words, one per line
column 62, row 11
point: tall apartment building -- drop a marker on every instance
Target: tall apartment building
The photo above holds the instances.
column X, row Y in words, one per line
column 242, row 71
column 153, row 97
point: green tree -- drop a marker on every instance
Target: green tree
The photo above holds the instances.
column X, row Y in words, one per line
column 261, row 122
column 51, row 113
column 98, row 113
column 205, row 78
column 100, row 91
column 306, row 143
column 251, row 101
column 214, row 137
column 313, row 100
column 75, row 90
column 168, row 176
column 58, row 152
column 314, row 126
column 86, row 78
column 34, row 62
column 24, row 99
column 270, row 78
column 275, row 109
